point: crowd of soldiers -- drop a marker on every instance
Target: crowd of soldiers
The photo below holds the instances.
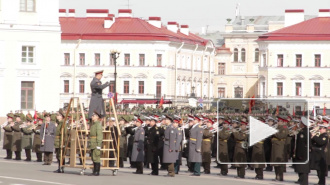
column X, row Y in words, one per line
column 162, row 140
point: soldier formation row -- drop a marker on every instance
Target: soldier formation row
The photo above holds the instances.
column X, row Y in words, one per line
column 167, row 139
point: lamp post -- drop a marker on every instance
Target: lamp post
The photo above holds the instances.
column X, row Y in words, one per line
column 114, row 55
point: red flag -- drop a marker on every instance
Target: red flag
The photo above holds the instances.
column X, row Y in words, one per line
column 324, row 111
column 35, row 117
column 293, row 112
column 251, row 104
column 161, row 102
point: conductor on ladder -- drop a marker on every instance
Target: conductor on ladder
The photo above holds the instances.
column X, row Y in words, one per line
column 97, row 102
column 96, row 138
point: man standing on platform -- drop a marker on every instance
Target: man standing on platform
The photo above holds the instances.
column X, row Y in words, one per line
column 97, row 103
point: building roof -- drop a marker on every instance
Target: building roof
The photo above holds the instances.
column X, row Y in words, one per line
column 216, row 38
column 123, row 28
column 311, row 30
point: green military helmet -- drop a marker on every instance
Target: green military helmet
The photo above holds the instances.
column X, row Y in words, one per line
column 17, row 115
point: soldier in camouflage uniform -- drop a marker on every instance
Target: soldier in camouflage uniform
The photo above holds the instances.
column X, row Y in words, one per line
column 58, row 140
column 96, row 137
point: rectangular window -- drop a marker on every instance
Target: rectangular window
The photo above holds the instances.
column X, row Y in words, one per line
column 126, row 87
column 27, row 5
column 66, row 86
column 127, row 59
column 97, row 59
column 279, row 60
column 317, row 88
column 298, row 60
column 298, row 89
column 297, row 108
column 27, row 95
column 112, row 61
column 27, row 54
column 66, row 59
column 221, row 68
column 279, row 89
column 159, row 60
column 112, row 86
column 158, row 89
column 221, row 92
column 238, row 92
column 81, row 86
column 141, row 87
column 317, row 60
column 82, row 59
column 141, row 60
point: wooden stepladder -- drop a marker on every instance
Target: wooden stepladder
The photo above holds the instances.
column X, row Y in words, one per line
column 111, row 142
column 75, row 139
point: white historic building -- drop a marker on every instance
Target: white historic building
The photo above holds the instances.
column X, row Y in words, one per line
column 30, row 38
column 155, row 60
column 295, row 60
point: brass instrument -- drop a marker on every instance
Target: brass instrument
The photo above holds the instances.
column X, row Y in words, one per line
column 315, row 131
column 245, row 144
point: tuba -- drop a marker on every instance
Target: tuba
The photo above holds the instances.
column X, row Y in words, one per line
column 245, row 144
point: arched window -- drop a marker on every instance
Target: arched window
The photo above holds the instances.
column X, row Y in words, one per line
column 235, row 55
column 256, row 55
column 243, row 55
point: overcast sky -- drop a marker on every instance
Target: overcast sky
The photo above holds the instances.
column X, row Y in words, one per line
column 197, row 13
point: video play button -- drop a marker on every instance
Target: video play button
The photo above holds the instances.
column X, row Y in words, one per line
column 259, row 131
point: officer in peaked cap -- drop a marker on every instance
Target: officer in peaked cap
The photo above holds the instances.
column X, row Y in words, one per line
column 318, row 159
column 169, row 154
column 96, row 138
column 17, row 136
column 138, row 147
column 195, row 146
column 97, row 102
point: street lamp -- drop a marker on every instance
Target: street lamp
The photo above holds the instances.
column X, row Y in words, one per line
column 114, row 55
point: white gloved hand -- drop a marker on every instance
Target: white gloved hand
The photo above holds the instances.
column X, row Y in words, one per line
column 98, row 147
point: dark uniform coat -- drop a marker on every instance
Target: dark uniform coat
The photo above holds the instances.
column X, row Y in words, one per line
column 8, row 137
column 185, row 150
column 195, row 144
column 278, row 145
column 17, row 137
column 328, row 149
column 97, row 103
column 258, row 155
column 170, row 135
column 223, row 145
column 138, row 145
column 131, row 132
column 48, row 133
column 318, row 159
column 240, row 154
column 178, row 143
column 27, row 137
column 36, row 139
column 207, row 145
column 302, row 150
column 152, row 144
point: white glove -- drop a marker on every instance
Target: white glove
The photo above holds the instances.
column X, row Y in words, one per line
column 98, row 147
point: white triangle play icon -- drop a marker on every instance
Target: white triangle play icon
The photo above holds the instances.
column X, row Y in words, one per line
column 259, row 131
